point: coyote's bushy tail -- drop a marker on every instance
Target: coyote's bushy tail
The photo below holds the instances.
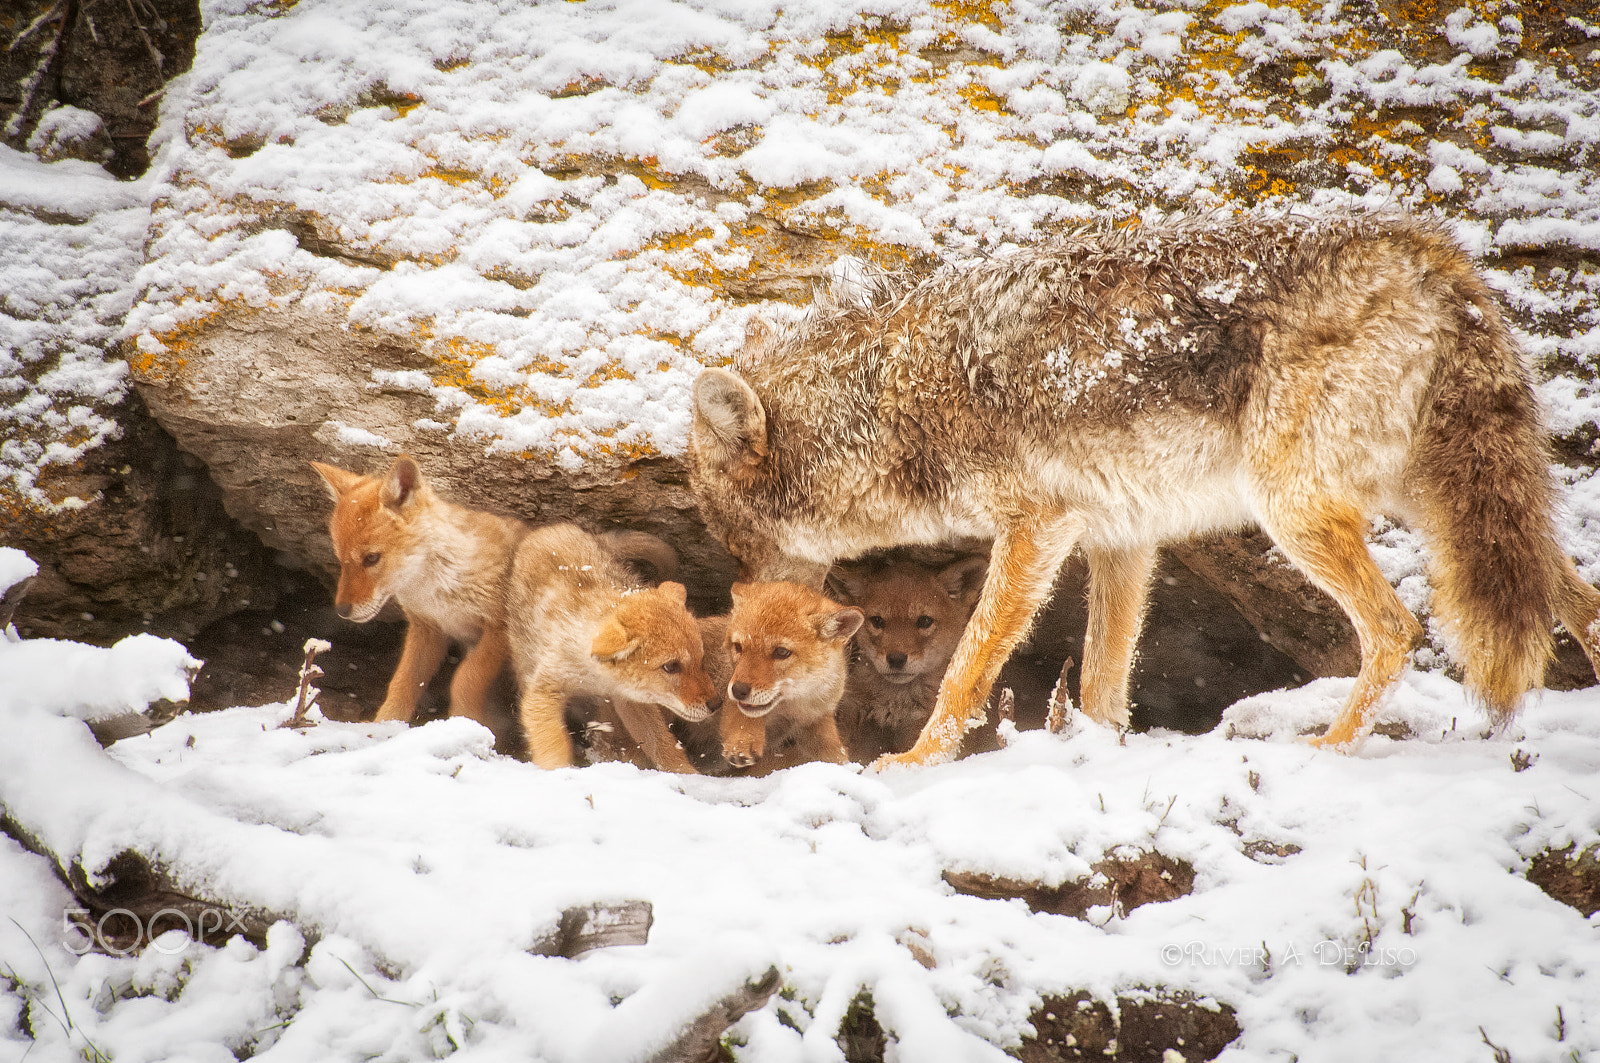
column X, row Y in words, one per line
column 1480, row 469
column 634, row 547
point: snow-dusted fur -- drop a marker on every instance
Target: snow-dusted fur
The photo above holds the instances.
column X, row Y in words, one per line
column 581, row 626
column 1122, row 387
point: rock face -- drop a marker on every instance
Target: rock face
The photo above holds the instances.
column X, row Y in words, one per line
column 507, row 247
column 264, row 394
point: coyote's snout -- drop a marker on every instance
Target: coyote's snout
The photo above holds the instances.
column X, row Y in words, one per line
column 787, row 647
column 1123, row 387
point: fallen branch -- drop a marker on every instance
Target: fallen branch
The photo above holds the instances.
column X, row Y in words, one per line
column 139, row 901
column 702, row 1041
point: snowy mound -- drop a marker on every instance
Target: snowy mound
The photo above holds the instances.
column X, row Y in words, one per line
column 414, row 877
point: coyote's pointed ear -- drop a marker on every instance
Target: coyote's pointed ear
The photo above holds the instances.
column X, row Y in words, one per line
column 845, row 583
column 401, row 482
column 612, row 642
column 759, row 338
column 338, row 481
column 730, row 427
column 677, row 593
column 841, row 624
column 738, row 590
column 963, row 580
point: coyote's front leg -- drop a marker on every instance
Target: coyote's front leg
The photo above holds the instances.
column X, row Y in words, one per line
column 1027, row 555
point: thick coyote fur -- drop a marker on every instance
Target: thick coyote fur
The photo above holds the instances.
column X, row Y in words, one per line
column 1123, row 387
column 445, row 564
column 581, row 626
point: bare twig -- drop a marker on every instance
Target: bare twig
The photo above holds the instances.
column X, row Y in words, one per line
column 1409, row 912
column 1005, row 711
column 1060, row 702
column 55, row 9
column 1501, row 1055
column 149, row 45
column 36, row 77
column 308, row 693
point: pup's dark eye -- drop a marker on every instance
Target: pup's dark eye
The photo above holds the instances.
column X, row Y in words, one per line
column 370, row 559
column 876, row 622
column 924, row 622
column 672, row 667
column 738, row 647
column 781, row 653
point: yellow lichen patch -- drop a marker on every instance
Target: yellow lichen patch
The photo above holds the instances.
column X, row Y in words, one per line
column 454, row 369
column 452, row 177
column 628, row 452
column 609, row 371
column 163, row 366
column 985, row 13
column 979, row 98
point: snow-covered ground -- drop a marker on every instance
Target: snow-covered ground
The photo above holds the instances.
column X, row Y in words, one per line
column 461, row 149
column 420, row 868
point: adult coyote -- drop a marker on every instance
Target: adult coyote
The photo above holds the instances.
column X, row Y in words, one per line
column 1123, row 387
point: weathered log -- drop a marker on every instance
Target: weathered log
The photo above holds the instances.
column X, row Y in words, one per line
column 600, row 925
column 1118, row 882
column 702, row 1041
column 10, row 596
column 136, row 901
column 1570, row 876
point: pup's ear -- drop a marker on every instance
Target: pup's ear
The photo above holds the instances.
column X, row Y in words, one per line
column 759, row 339
column 845, row 584
column 738, row 590
column 841, row 624
column 676, row 592
column 730, row 427
column 338, row 481
column 963, row 580
column 401, row 482
column 612, row 642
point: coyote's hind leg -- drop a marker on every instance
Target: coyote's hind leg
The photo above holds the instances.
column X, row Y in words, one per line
column 1578, row 609
column 1327, row 541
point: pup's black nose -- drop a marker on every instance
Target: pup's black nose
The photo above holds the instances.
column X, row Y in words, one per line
column 343, row 609
column 896, row 661
column 740, row 691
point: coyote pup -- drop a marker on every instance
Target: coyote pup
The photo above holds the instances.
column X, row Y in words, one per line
column 444, row 564
column 788, row 648
column 581, row 626
column 1118, row 388
column 915, row 614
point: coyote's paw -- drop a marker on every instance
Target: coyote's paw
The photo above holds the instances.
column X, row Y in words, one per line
column 742, row 751
column 908, row 760
column 1336, row 740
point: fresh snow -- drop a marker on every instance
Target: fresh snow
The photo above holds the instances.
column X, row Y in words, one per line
column 460, row 144
column 420, row 867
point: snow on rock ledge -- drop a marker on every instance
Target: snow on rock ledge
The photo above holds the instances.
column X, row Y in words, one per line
column 506, row 237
